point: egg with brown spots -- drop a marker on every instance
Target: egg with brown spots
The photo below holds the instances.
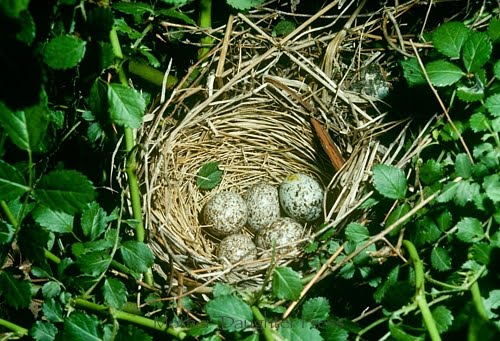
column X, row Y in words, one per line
column 237, row 247
column 263, row 205
column 225, row 214
column 282, row 231
column 301, row 197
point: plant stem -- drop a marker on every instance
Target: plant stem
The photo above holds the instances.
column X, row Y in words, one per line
column 19, row 331
column 150, row 74
column 478, row 301
column 51, row 256
column 205, row 22
column 268, row 333
column 139, row 320
column 420, row 291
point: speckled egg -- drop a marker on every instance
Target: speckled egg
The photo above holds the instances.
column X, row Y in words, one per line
column 282, row 231
column 263, row 205
column 301, row 197
column 237, row 247
column 225, row 213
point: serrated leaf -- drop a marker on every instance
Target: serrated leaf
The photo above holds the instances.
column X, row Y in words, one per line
column 492, row 303
column 335, row 332
column 244, row 5
column 443, row 73
column 463, row 166
column 494, row 29
column 82, row 327
column 134, row 8
column 209, row 176
column 152, row 60
column 231, row 313
column 64, row 52
column 399, row 334
column 286, row 284
column 131, row 332
column 13, row 8
column 126, row 105
column 493, row 104
column 172, row 13
column 12, row 182
column 466, row 191
column 52, row 310
column 94, row 263
column 469, row 230
column 384, row 289
column 449, row 38
column 114, row 292
column 389, row 181
column 442, row 317
column 16, row 292
column 93, row 220
column 476, row 51
column 202, row 329
column 6, row 232
column 412, row 72
column 316, row 310
column 430, row 172
column 448, row 192
column 444, row 220
column 137, row 255
column 221, row 289
column 347, row 271
column 480, row 252
column 426, row 231
column 26, row 128
column 51, row 289
column 283, row 27
column 470, row 93
column 54, row 221
column 65, row 190
column 398, row 212
column 28, row 28
column 440, row 259
column 448, row 133
column 298, row 330
column 479, row 122
column 491, row 185
column 356, row 232
column 121, row 26
column 43, row 331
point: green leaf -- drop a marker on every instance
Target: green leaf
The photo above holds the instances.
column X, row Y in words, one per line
column 463, row 166
column 28, row 28
column 172, row 13
column 494, row 29
column 356, row 232
column 94, row 263
column 440, row 259
column 443, row 73
column 12, row 182
column 316, row 310
column 43, row 331
column 126, row 105
column 448, row 192
column 286, row 284
column 471, row 93
column 93, row 220
column 65, row 190
column 16, row 292
column 469, row 230
column 283, row 28
column 399, row 334
column 493, row 104
column 444, row 220
column 51, row 289
column 243, row 5
column 431, row 171
column 229, row 312
column 491, row 185
column 476, row 51
column 202, row 329
column 54, row 221
column 385, row 288
column 131, row 332
column 26, row 128
column 335, row 332
column 134, row 8
column 209, row 176
column 52, row 310
column 492, row 303
column 479, row 122
column 64, row 52
column 221, row 289
column 348, row 271
column 426, row 231
column 81, row 327
column 398, row 212
column 448, row 133
column 114, row 292
column 13, row 8
column 480, row 252
column 137, row 255
column 466, row 191
column 122, row 27
column 294, row 329
column 412, row 72
column 6, row 232
column 389, row 181
column 443, row 318
column 449, row 38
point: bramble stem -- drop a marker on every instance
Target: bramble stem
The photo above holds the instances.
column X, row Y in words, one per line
column 150, row 74
column 268, row 333
column 478, row 301
column 420, row 291
column 18, row 330
column 205, row 22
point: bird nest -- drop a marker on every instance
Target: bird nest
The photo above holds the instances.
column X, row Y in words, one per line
column 269, row 107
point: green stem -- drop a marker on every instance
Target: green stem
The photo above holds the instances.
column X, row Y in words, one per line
column 19, row 331
column 49, row 255
column 420, row 291
column 205, row 22
column 150, row 74
column 478, row 301
column 139, row 320
column 268, row 333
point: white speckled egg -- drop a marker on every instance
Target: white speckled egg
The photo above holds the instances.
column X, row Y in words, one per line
column 225, row 213
column 282, row 231
column 237, row 247
column 263, row 205
column 301, row 197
